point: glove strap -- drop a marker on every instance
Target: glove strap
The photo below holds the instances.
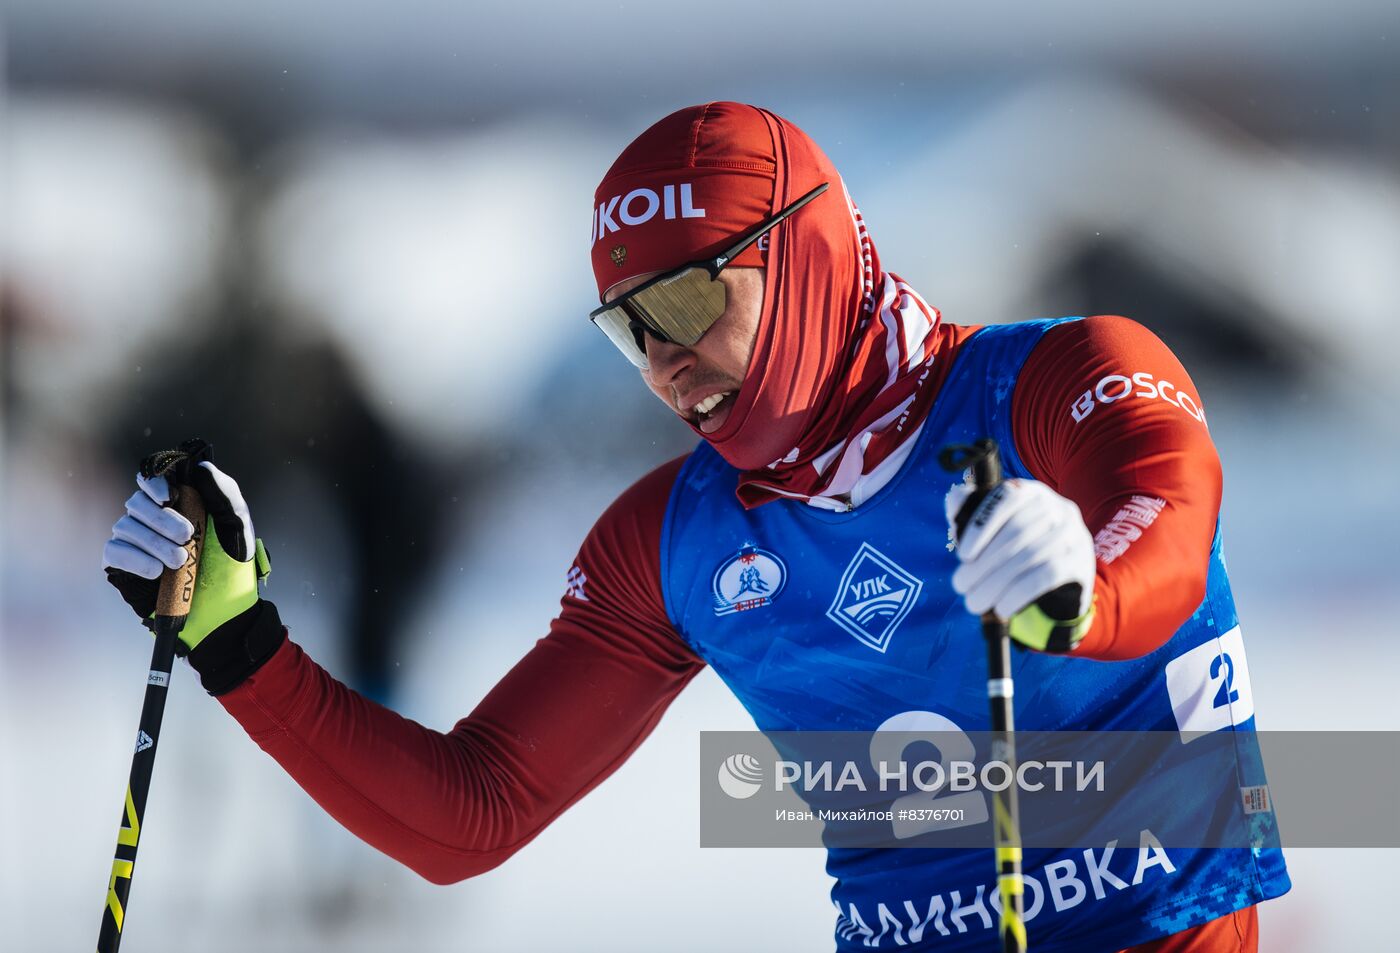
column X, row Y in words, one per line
column 1034, row 629
column 260, row 560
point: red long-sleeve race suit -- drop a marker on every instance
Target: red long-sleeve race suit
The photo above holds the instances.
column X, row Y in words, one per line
column 455, row 804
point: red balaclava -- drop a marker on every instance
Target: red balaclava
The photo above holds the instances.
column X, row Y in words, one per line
column 834, row 385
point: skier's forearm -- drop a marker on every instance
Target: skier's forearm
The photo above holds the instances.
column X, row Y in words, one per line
column 454, row 805
column 365, row 765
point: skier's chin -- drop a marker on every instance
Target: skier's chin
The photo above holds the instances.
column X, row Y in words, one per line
column 746, row 443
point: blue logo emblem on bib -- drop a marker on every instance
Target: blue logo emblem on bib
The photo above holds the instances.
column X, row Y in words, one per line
column 874, row 596
column 750, row 578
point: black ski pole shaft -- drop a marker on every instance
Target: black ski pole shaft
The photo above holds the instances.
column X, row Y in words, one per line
column 985, row 463
column 172, row 608
column 1006, row 813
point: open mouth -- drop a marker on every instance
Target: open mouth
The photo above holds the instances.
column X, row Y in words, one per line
column 711, row 412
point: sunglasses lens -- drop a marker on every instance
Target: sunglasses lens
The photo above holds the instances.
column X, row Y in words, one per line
column 679, row 308
column 618, row 326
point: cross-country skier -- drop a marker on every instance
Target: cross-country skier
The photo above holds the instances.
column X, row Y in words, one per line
column 822, row 387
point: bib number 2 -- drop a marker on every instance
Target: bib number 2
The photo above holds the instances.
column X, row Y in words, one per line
column 1227, row 693
column 1208, row 686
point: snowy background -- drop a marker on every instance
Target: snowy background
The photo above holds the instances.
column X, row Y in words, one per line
column 348, row 248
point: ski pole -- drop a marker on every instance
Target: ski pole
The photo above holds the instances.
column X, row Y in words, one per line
column 172, row 608
column 982, row 458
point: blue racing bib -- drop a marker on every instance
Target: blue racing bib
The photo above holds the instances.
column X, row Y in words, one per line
column 819, row 620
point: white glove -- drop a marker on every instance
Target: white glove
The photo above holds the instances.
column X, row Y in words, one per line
column 150, row 538
column 1022, row 543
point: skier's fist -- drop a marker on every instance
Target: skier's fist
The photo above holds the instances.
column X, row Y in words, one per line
column 151, row 538
column 1028, row 558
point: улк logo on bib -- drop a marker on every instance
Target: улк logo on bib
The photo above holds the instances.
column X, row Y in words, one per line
column 750, row 578
column 873, row 598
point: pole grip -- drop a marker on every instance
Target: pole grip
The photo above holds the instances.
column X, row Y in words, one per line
column 177, row 585
column 986, row 465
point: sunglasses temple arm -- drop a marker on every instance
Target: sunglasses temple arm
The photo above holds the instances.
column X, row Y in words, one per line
column 761, row 229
